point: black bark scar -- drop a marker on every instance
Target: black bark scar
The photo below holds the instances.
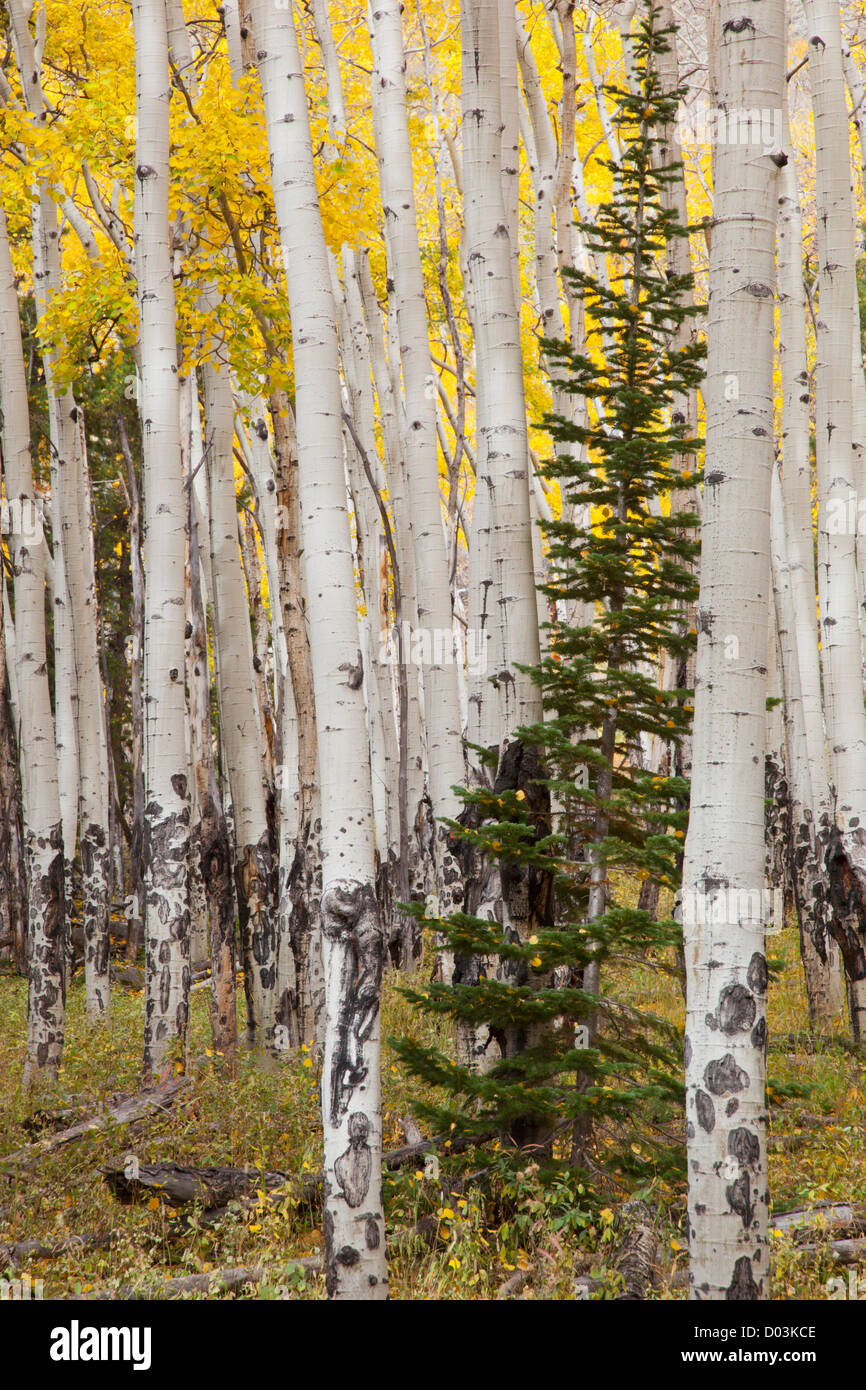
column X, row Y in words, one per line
column 350, row 920
column 352, row 1169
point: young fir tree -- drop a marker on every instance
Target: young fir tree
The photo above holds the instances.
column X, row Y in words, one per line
column 567, row 1050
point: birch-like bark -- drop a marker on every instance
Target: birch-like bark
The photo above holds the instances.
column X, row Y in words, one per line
column 406, row 286
column 510, row 141
column 726, row 968
column 72, row 519
column 232, row 27
column 777, row 822
column 46, row 922
column 331, row 63
column 13, row 878
column 248, row 534
column 796, row 616
column 360, row 282
column 502, row 594
column 398, row 875
column 544, row 162
column 65, row 726
column 300, row 983
column 213, row 837
column 73, row 545
column 844, row 711
column 167, row 802
column 684, row 406
column 502, row 583
column 241, row 735
column 135, row 915
column 818, row 950
column 353, row 943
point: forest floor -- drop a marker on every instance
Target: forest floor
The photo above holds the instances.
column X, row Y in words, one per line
column 444, row 1243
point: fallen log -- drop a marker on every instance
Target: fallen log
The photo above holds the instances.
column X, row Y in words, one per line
column 24, row 1251
column 844, row 1252
column 176, row 1183
column 215, row 1282
column 131, row 1108
column 835, row 1219
column 41, row 1120
column 638, row 1252
column 215, row 1187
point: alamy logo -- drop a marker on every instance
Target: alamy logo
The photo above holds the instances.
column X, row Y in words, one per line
column 21, row 1290
column 745, row 906
column 76, row 1343
column 712, row 125
column 422, row 646
column 855, row 1287
column 846, row 516
column 21, row 516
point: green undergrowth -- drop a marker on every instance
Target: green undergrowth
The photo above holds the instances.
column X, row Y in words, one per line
column 460, row 1226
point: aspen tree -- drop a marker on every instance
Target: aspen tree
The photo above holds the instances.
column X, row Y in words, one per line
column 353, row 944
column 502, row 601
column 420, row 451
column 796, row 615
column 837, row 482
column 73, row 555
column 167, row 801
column 13, row 878
column 241, row 734
column 726, row 1031
column 43, row 839
column 78, row 676
column 502, row 596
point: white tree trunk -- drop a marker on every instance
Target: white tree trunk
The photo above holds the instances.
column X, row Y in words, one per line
column 796, row 613
column 502, row 583
column 837, row 482
column 445, row 767
column 360, row 282
column 331, row 63
column 78, row 675
column 361, row 453
column 353, row 941
column 213, row 841
column 725, row 1045
column 74, row 561
column 167, row 802
column 818, row 950
column 239, row 725
column 46, row 925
